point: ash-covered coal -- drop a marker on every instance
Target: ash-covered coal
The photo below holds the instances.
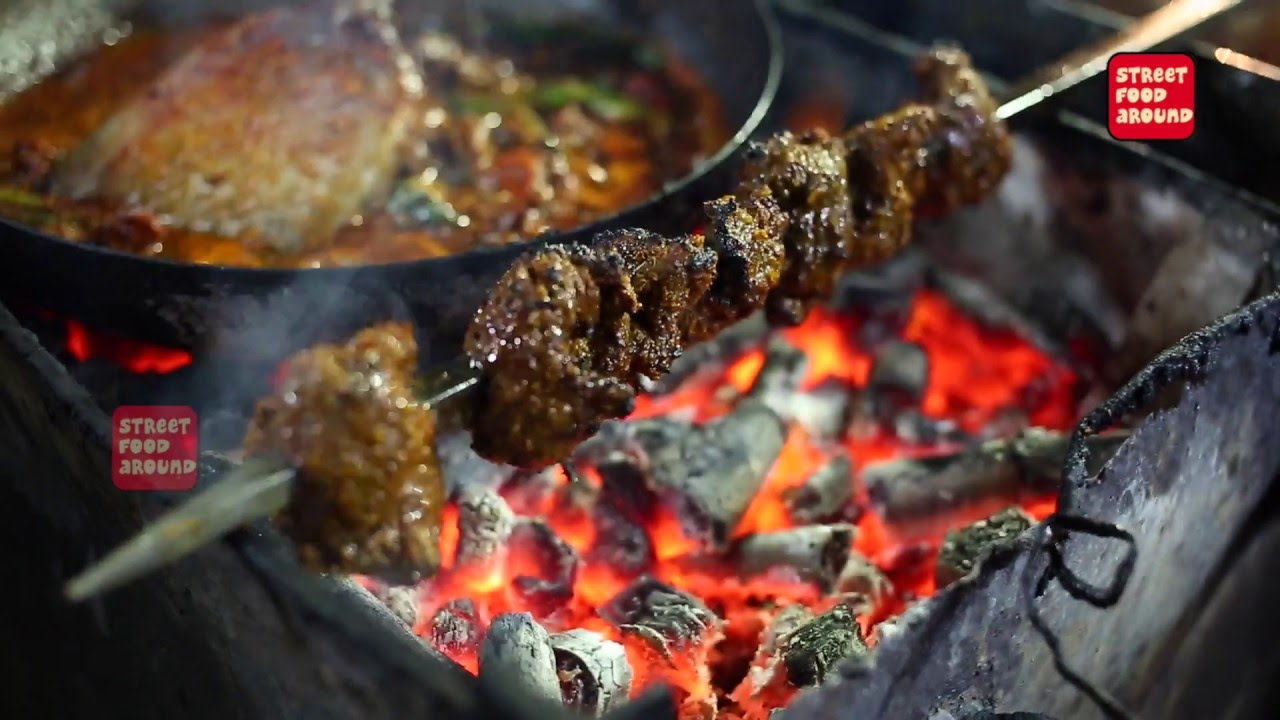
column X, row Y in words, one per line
column 813, row 650
column 517, row 650
column 595, row 675
column 1029, row 462
column 826, row 495
column 455, row 629
column 708, row 473
column 668, row 619
column 963, row 550
column 546, row 566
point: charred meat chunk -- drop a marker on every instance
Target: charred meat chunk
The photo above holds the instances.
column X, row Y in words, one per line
column 370, row 494
column 565, row 339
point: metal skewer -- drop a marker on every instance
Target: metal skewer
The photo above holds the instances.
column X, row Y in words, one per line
column 1158, row 26
column 259, row 489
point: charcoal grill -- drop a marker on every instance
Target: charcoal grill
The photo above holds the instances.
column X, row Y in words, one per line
column 239, row 631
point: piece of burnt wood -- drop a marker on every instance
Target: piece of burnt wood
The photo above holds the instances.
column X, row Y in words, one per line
column 963, row 550
column 987, row 307
column 667, row 619
column 1030, row 461
column 766, row 669
column 861, row 576
column 780, row 376
column 620, row 543
column 535, row 544
column 882, row 295
column 455, row 629
column 595, row 675
column 823, row 411
column 814, row 649
column 708, row 473
column 816, row 553
column 825, row 496
column 518, row 650
column 899, row 372
column 485, row 522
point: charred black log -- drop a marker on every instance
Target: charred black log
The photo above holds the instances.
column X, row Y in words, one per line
column 816, row 553
column 536, row 544
column 780, row 376
column 667, row 619
column 485, row 522
column 594, row 673
column 814, row 649
column 963, row 550
column 455, row 628
column 708, row 474
column 825, row 496
column 1031, row 461
column 518, row 650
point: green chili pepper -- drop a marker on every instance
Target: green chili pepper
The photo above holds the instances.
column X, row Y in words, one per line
column 25, row 207
column 481, row 103
column 599, row 99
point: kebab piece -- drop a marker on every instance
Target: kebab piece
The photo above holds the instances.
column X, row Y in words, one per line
column 369, row 492
column 342, row 454
column 564, row 339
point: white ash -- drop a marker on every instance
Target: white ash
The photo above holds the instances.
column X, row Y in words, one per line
column 595, row 675
column 485, row 523
column 518, row 651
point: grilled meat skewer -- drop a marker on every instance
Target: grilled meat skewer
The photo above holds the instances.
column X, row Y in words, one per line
column 778, row 243
column 565, row 337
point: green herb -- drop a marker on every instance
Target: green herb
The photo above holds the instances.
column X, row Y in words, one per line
column 412, row 206
column 482, row 103
column 601, row 100
column 25, row 207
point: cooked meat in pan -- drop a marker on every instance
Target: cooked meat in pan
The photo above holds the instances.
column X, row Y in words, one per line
column 316, row 134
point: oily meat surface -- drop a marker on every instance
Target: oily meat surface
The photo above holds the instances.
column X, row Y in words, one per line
column 277, row 129
column 370, row 493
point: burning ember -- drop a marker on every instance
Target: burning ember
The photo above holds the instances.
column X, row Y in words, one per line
column 738, row 536
column 136, row 357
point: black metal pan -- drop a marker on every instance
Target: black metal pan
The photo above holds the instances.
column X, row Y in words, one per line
column 736, row 46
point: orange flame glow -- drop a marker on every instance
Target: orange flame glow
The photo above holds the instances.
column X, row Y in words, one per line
column 976, row 373
column 132, row 355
